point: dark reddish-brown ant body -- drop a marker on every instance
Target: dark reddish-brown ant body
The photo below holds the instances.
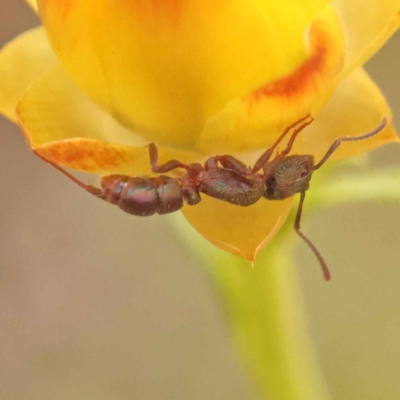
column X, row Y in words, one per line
column 222, row 177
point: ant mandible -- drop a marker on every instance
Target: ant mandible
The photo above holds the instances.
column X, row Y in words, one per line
column 222, row 177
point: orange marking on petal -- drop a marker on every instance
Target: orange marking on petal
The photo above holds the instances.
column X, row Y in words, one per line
column 302, row 79
column 64, row 6
column 158, row 9
column 82, row 155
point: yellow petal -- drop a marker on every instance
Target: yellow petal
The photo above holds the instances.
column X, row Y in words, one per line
column 243, row 231
column 22, row 61
column 356, row 108
column 64, row 126
column 367, row 26
column 33, row 4
column 255, row 121
column 166, row 67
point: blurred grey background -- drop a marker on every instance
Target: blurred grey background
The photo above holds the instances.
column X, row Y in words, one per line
column 95, row 305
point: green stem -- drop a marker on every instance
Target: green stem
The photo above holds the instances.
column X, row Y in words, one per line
column 381, row 185
column 265, row 312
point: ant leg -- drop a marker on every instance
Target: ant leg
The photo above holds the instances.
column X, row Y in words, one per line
column 228, row 162
column 267, row 155
column 322, row 262
column 169, row 165
column 337, row 142
column 89, row 188
column 293, row 138
column 269, row 168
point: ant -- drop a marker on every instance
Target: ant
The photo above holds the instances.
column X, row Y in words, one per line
column 222, row 177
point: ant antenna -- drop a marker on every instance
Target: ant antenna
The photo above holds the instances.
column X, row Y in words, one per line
column 324, row 266
column 338, row 141
column 330, row 151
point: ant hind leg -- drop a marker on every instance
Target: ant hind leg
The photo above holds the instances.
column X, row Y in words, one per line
column 168, row 166
column 89, row 188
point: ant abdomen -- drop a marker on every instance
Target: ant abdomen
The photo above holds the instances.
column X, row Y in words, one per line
column 143, row 196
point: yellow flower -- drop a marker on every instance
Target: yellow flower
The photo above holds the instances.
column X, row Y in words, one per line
column 199, row 78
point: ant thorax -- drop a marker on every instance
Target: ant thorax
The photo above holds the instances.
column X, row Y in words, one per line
column 291, row 175
column 228, row 185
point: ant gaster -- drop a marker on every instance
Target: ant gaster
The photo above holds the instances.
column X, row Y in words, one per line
column 222, row 177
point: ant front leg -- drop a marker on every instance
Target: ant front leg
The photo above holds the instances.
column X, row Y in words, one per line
column 262, row 161
column 169, row 165
column 269, row 168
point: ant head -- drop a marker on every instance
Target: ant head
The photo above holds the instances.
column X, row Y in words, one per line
column 292, row 175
